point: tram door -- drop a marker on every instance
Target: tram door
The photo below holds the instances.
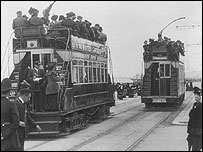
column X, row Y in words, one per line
column 164, row 79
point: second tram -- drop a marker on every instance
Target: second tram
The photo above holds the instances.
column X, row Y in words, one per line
column 164, row 73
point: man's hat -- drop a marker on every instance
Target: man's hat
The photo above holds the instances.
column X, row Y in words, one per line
column 18, row 12
column 6, row 84
column 54, row 17
column 33, row 11
column 197, row 90
column 61, row 17
column 79, row 17
column 88, row 22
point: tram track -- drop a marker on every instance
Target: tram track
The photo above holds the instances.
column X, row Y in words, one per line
column 135, row 117
column 103, row 133
column 132, row 146
column 138, row 116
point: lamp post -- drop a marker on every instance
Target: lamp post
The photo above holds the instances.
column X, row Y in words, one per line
column 170, row 24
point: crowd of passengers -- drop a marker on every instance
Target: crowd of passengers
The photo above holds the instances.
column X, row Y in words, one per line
column 173, row 47
column 78, row 27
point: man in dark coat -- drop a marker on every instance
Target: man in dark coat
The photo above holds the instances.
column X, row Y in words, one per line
column 20, row 21
column 25, row 119
column 36, row 79
column 96, row 33
column 90, row 31
column 70, row 23
column 9, row 119
column 194, row 127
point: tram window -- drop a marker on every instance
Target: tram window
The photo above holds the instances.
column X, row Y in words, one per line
column 80, row 74
column 85, row 63
column 161, row 70
column 80, row 62
column 98, row 72
column 102, row 75
column 94, row 72
column 75, row 62
column 86, row 75
column 35, row 58
column 90, row 71
column 167, row 70
column 90, row 74
column 75, row 75
column 106, row 75
column 94, row 75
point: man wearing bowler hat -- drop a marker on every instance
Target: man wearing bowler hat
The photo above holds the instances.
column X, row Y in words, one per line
column 9, row 119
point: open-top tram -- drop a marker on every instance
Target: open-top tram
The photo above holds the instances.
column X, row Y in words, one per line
column 86, row 90
column 164, row 73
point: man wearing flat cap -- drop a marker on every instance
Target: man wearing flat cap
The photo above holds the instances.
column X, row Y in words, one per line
column 36, row 77
column 25, row 120
column 19, row 21
column 9, row 119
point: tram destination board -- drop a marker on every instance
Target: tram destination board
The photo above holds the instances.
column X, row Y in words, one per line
column 159, row 100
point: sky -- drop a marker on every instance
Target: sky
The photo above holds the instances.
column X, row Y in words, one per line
column 127, row 25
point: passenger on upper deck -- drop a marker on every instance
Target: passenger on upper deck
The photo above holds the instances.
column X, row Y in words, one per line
column 102, row 37
column 70, row 23
column 20, row 21
column 61, row 18
column 54, row 22
column 35, row 20
column 95, row 29
column 90, row 32
column 83, row 31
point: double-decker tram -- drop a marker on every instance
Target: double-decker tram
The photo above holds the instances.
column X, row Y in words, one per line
column 86, row 90
column 164, row 75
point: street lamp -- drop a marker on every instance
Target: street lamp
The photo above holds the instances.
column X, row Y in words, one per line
column 170, row 24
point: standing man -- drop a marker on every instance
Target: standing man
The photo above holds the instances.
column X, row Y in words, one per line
column 19, row 21
column 36, row 79
column 9, row 119
column 194, row 127
column 25, row 119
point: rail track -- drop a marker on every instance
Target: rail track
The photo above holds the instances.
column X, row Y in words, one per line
column 138, row 116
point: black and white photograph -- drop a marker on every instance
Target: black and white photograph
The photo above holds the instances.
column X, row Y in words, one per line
column 101, row 75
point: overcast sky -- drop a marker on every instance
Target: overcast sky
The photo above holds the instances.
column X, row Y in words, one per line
column 126, row 23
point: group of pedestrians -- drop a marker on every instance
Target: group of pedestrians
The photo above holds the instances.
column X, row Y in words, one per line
column 15, row 118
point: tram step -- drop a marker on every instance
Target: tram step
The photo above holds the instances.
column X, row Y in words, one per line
column 44, row 132
column 46, row 116
column 48, row 125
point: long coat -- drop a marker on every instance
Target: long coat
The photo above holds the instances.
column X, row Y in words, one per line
column 35, row 85
column 195, row 119
column 25, row 117
column 52, row 86
column 9, row 125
